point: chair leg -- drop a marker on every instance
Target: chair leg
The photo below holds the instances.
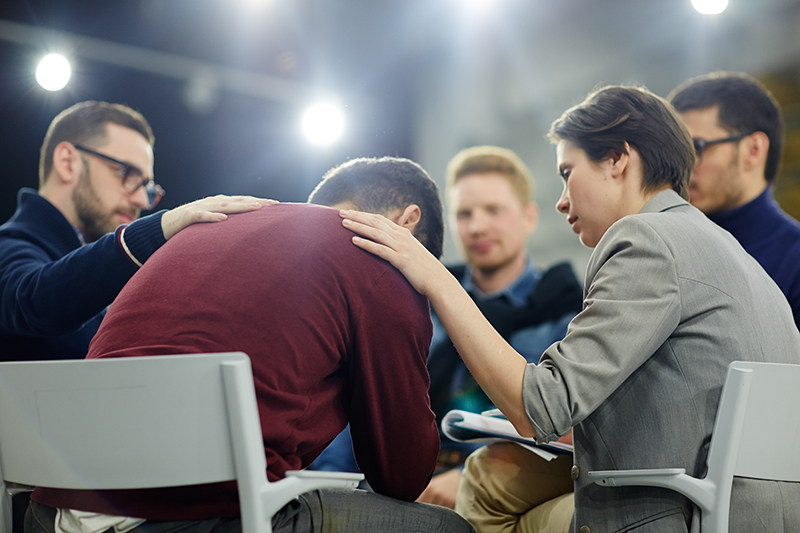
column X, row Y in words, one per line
column 19, row 506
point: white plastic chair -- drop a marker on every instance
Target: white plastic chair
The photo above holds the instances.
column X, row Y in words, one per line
column 756, row 435
column 142, row 422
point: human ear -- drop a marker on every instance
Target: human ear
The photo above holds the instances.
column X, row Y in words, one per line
column 619, row 161
column 409, row 218
column 66, row 166
column 531, row 216
column 756, row 147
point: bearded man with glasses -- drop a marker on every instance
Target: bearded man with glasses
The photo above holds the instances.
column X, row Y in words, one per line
column 737, row 129
column 70, row 247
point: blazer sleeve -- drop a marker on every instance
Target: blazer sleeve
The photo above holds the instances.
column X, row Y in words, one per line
column 632, row 305
column 395, row 438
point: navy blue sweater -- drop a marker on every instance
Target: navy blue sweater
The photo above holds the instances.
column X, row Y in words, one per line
column 773, row 238
column 53, row 291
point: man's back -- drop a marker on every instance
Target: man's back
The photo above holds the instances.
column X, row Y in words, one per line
column 334, row 335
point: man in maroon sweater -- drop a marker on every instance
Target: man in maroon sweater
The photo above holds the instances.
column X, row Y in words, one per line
column 334, row 334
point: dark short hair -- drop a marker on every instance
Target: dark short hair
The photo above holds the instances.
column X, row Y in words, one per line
column 744, row 104
column 611, row 116
column 382, row 185
column 85, row 123
column 491, row 159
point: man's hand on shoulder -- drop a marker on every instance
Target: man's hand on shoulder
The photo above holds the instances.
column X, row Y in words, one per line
column 442, row 489
column 210, row 209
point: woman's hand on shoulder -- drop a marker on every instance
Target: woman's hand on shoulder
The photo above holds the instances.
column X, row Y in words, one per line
column 381, row 237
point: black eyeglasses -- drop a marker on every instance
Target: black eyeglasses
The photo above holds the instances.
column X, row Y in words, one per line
column 132, row 177
column 700, row 144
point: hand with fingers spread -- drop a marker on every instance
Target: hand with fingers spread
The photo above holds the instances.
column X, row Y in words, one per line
column 397, row 245
column 210, row 209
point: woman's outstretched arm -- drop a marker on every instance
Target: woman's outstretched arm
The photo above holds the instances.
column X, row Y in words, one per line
column 496, row 366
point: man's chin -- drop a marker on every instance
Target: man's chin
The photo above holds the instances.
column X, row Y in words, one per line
column 482, row 262
column 124, row 218
column 697, row 201
column 705, row 207
column 488, row 266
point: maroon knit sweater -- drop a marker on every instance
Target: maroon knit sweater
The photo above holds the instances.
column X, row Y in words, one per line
column 335, row 335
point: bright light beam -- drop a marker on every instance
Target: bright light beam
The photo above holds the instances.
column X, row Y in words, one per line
column 478, row 4
column 323, row 123
column 478, row 8
column 710, row 7
column 53, row 72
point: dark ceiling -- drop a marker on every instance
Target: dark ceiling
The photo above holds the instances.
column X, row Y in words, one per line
column 241, row 143
column 387, row 61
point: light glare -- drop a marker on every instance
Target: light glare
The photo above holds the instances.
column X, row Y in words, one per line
column 710, row 7
column 478, row 7
column 478, row 4
column 53, row 72
column 323, row 123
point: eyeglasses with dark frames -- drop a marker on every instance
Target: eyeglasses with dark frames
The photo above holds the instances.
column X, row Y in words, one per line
column 700, row 144
column 132, row 177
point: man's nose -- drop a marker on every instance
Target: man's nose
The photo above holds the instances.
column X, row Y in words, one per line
column 477, row 223
column 139, row 198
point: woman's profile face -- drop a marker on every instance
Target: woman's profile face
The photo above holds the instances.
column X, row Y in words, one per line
column 592, row 196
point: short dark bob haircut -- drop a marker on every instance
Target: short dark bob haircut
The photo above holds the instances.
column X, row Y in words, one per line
column 611, row 116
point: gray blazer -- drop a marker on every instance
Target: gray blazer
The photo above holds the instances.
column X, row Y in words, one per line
column 670, row 299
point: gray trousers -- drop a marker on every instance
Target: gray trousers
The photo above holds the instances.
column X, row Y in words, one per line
column 319, row 511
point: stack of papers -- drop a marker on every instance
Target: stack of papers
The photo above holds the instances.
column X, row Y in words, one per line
column 493, row 426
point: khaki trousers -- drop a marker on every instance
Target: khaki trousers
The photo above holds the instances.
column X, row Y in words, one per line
column 506, row 488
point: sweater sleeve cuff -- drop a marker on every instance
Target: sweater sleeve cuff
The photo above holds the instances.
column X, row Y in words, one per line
column 142, row 237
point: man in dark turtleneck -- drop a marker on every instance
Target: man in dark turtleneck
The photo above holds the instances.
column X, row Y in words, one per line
column 738, row 131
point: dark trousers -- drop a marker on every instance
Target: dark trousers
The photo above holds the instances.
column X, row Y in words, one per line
column 325, row 511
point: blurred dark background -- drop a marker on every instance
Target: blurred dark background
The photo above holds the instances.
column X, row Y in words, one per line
column 225, row 83
column 236, row 143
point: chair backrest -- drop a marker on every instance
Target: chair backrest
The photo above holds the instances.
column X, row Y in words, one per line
column 770, row 438
column 757, row 429
column 129, row 423
column 756, row 433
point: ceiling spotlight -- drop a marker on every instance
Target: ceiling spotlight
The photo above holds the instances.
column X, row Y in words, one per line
column 323, row 123
column 710, row 7
column 53, row 72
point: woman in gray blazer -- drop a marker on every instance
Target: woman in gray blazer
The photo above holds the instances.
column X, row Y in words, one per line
column 669, row 300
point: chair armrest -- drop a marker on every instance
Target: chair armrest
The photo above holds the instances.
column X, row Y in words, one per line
column 347, row 479
column 701, row 491
column 620, row 478
column 277, row 494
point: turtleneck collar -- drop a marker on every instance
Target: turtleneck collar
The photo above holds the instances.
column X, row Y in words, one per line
column 752, row 222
